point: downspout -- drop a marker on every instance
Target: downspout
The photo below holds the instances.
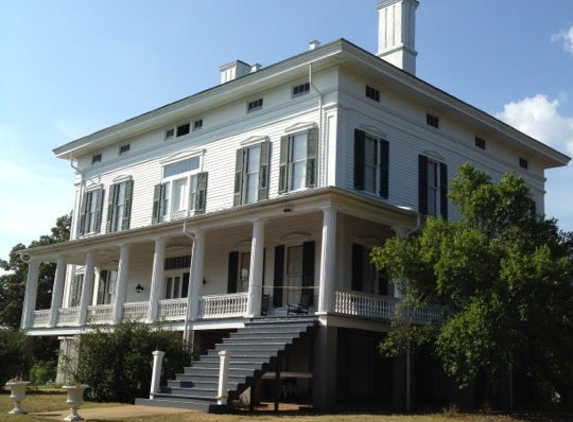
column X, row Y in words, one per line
column 186, row 338
column 320, row 122
column 82, row 190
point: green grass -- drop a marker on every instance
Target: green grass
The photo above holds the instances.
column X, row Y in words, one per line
column 45, row 401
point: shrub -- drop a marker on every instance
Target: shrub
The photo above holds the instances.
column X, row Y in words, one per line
column 117, row 365
column 43, row 372
column 13, row 354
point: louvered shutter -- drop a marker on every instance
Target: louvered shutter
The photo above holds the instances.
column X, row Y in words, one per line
column 126, row 218
column 239, row 175
column 444, row 191
column 311, row 158
column 264, row 170
column 157, row 190
column 201, row 198
column 357, row 270
column 423, row 184
column 359, row 157
column 233, row 272
column 308, row 268
column 384, row 168
column 283, row 164
column 278, row 276
column 111, row 206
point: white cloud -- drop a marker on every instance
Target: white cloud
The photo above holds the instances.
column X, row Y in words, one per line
column 539, row 117
column 566, row 37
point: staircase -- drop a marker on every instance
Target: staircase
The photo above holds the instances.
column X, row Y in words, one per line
column 255, row 349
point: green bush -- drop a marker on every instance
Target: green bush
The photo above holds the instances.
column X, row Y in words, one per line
column 117, row 365
column 43, row 372
column 13, row 354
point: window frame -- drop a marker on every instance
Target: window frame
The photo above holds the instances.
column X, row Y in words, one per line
column 288, row 166
column 90, row 216
column 119, row 206
column 381, row 167
column 255, row 105
column 242, row 160
column 439, row 187
column 300, row 90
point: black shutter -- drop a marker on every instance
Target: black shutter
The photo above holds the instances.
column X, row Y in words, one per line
column 311, row 158
column 308, row 268
column 201, row 198
column 423, row 184
column 444, row 191
column 278, row 276
column 82, row 216
column 185, row 285
column 359, row 156
column 157, row 190
column 283, row 164
column 99, row 210
column 111, row 204
column 384, row 168
column 233, row 272
column 264, row 170
column 357, row 269
column 127, row 205
column 239, row 165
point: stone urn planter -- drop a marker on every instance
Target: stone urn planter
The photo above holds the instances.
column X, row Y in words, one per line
column 17, row 393
column 75, row 400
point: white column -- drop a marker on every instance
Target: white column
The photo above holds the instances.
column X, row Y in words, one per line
column 156, row 372
column 87, row 287
column 122, row 272
column 157, row 282
column 256, row 269
column 197, row 263
column 58, row 289
column 327, row 260
column 31, row 293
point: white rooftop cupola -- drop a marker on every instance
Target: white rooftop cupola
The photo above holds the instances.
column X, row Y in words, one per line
column 235, row 70
column 396, row 33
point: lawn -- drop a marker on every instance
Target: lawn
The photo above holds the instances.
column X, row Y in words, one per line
column 52, row 400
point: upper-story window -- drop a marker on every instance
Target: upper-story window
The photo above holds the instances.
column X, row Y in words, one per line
column 373, row 93
column 177, row 131
column 124, row 149
column 301, row 90
column 182, row 192
column 523, row 163
column 90, row 211
column 119, row 207
column 432, row 187
column 298, row 156
column 96, row 159
column 480, row 142
column 197, row 124
column 371, row 164
column 255, row 105
column 251, row 174
column 432, row 120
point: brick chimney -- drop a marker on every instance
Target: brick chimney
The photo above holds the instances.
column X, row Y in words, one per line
column 396, row 33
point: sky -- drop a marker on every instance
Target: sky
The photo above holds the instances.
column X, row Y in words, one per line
column 71, row 67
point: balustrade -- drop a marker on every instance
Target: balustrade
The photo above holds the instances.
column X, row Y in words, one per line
column 68, row 316
column 135, row 311
column 223, row 306
column 173, row 309
column 41, row 318
column 100, row 314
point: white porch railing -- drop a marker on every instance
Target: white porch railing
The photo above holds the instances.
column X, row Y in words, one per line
column 173, row 309
column 68, row 316
column 223, row 306
column 41, row 318
column 364, row 305
column 135, row 311
column 100, row 314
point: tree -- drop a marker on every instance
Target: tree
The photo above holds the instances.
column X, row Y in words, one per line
column 502, row 276
column 12, row 285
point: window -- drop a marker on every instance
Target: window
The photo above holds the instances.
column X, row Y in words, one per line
column 169, row 134
column 119, row 207
column 197, row 124
column 432, row 187
column 124, row 149
column 251, row 174
column 76, row 290
column 238, row 272
column 523, row 163
column 371, row 164
column 177, row 262
column 365, row 276
column 182, row 192
column 178, row 131
column 373, row 93
column 432, row 120
column 90, row 212
column 480, row 142
column 298, row 161
column 96, row 159
column 255, row 105
column 107, row 287
column 300, row 90
column 176, row 285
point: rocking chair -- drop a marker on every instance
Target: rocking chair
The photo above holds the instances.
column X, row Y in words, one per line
column 303, row 305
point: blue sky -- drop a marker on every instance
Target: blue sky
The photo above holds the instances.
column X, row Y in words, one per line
column 69, row 68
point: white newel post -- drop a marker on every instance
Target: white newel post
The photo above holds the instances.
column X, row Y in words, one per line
column 31, row 292
column 197, row 262
column 327, row 260
column 87, row 288
column 122, row 272
column 58, row 290
column 157, row 279
column 256, row 269
column 224, row 358
column 156, row 374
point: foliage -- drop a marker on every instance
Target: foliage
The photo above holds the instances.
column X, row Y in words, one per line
column 502, row 274
column 12, row 285
column 118, row 364
column 43, row 372
column 12, row 354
